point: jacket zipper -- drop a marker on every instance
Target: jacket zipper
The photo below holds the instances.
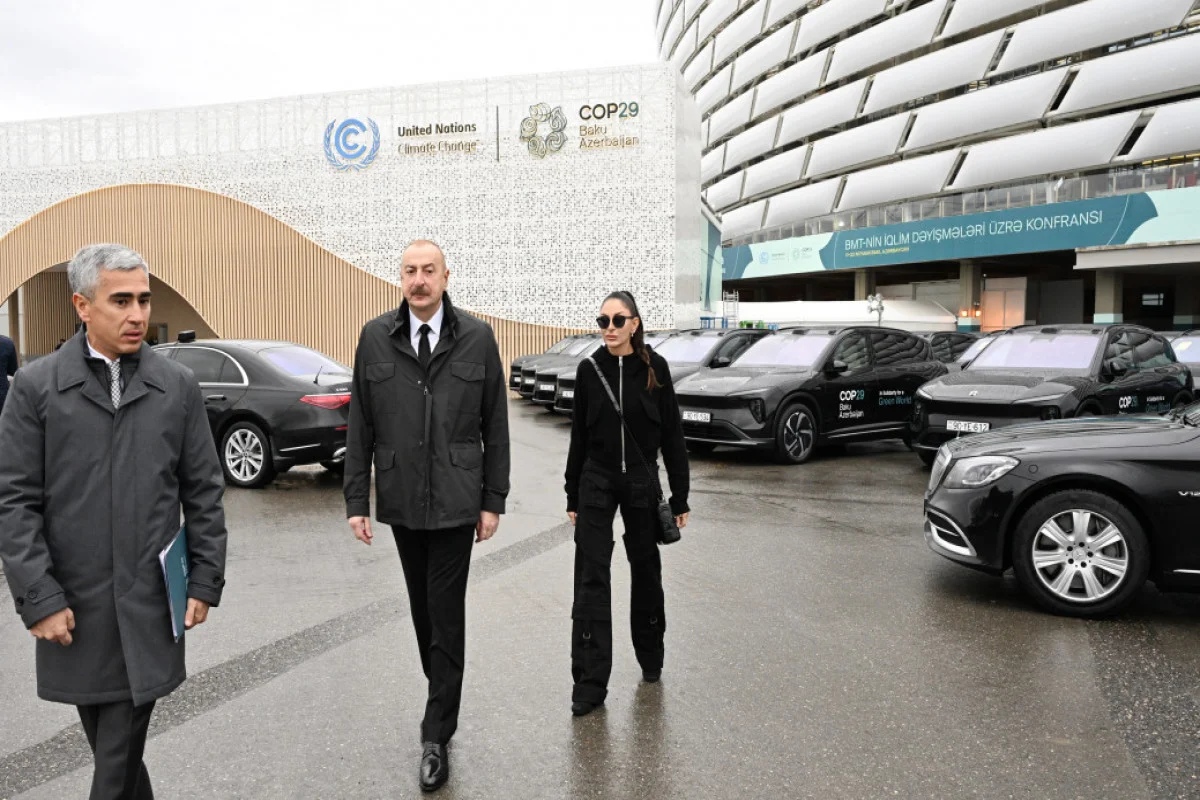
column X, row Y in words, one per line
column 621, row 399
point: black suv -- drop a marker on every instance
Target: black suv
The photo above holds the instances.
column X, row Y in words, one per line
column 949, row 346
column 802, row 386
column 713, row 348
column 1049, row 372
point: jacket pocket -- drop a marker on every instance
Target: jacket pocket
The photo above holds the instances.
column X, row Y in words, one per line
column 466, row 386
column 466, row 456
column 385, row 458
column 379, row 371
column 595, row 491
column 650, row 404
column 467, row 370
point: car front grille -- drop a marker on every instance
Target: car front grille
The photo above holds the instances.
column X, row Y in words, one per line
column 697, row 430
column 947, row 534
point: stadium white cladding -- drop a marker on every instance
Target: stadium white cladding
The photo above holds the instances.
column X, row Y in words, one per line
column 823, row 114
column 546, row 191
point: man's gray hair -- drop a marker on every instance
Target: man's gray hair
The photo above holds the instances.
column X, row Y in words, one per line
column 84, row 269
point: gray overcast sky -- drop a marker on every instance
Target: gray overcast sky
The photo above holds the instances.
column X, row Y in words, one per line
column 71, row 57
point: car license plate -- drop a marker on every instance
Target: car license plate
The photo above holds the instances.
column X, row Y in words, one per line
column 545, row 387
column 967, row 427
column 529, row 381
column 697, row 416
column 568, row 394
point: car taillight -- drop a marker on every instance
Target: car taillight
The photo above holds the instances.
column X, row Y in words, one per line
column 330, row 401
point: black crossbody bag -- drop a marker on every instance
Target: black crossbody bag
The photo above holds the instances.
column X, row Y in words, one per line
column 668, row 531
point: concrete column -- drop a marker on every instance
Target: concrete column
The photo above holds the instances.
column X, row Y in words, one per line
column 970, row 293
column 1110, row 288
column 1187, row 302
column 864, row 284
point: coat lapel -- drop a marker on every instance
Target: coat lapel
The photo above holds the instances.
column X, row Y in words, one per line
column 149, row 375
column 73, row 372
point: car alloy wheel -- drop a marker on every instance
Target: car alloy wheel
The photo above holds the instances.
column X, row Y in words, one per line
column 1080, row 553
column 246, row 456
column 1080, row 556
column 796, row 434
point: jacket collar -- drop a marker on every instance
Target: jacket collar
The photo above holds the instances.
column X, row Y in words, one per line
column 449, row 317
column 73, row 371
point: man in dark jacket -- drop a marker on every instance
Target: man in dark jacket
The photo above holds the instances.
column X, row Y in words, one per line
column 429, row 407
column 8, row 366
column 101, row 445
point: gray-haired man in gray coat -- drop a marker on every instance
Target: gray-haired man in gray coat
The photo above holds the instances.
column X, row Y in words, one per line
column 102, row 445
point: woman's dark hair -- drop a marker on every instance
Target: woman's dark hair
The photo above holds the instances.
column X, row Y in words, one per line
column 640, row 348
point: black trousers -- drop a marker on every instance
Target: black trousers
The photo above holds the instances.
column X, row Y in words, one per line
column 116, row 732
column 601, row 494
column 436, row 564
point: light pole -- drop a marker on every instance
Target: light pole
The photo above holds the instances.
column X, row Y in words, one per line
column 875, row 306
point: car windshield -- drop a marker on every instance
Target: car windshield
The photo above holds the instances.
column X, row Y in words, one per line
column 300, row 362
column 1187, row 349
column 559, row 346
column 687, row 349
column 580, row 347
column 1039, row 351
column 787, row 349
column 656, row 339
column 975, row 349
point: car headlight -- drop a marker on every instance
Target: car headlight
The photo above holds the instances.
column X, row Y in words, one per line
column 924, row 394
column 975, row 471
column 1045, row 398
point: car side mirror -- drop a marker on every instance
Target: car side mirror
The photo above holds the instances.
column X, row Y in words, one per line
column 836, row 367
column 721, row 361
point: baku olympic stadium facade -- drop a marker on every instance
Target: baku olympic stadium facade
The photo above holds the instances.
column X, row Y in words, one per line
column 1016, row 160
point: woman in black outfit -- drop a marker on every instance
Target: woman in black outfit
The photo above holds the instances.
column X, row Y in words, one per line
column 605, row 473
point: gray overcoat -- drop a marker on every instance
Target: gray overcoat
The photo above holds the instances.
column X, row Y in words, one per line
column 89, row 495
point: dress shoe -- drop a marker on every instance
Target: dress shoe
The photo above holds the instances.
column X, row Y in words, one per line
column 580, row 708
column 435, row 767
column 651, row 675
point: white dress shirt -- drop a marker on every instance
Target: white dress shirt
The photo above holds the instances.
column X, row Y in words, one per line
column 94, row 353
column 435, row 325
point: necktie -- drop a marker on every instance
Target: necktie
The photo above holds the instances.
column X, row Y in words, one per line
column 424, row 353
column 114, row 382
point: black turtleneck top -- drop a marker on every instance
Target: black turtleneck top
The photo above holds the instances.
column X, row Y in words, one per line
column 652, row 416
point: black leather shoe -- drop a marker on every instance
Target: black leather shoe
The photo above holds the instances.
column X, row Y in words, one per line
column 435, row 767
column 580, row 708
column 651, row 675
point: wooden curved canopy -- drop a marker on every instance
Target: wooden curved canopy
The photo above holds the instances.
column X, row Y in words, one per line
column 247, row 274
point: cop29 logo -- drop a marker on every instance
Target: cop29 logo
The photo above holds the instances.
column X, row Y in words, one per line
column 531, row 127
column 342, row 148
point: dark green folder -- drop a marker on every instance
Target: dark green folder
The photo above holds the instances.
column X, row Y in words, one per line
column 174, row 560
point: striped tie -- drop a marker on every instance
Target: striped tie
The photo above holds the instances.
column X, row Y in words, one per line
column 114, row 382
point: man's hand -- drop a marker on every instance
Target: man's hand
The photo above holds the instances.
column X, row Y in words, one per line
column 681, row 521
column 486, row 527
column 55, row 628
column 362, row 529
column 196, row 614
column 572, row 515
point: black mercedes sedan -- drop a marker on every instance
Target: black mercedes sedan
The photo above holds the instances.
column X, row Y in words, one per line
column 1084, row 511
column 803, row 386
column 556, row 385
column 1051, row 372
column 271, row 405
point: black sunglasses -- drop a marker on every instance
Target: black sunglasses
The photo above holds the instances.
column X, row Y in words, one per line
column 618, row 321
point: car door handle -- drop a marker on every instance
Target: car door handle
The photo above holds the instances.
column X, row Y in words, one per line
column 215, row 398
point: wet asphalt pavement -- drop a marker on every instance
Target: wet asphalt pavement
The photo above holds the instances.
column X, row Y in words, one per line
column 815, row 649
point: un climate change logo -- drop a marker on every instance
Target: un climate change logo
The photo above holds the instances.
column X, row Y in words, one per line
column 344, row 152
column 553, row 141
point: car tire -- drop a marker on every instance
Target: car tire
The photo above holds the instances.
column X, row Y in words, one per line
column 1088, row 410
column 335, row 467
column 1182, row 400
column 1047, row 532
column 927, row 457
column 246, row 456
column 795, row 434
column 701, row 448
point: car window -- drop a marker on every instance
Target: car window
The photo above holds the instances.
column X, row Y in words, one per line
column 208, row 366
column 975, row 348
column 1153, row 353
column 687, row 349
column 960, row 345
column 1035, row 350
column 655, row 339
column 559, row 346
column 785, row 349
column 1187, row 349
column 579, row 347
column 1119, row 355
column 300, row 362
column 893, row 348
column 943, row 348
column 734, row 346
column 853, row 350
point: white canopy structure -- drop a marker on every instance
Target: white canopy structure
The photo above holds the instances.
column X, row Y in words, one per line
column 910, row 315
